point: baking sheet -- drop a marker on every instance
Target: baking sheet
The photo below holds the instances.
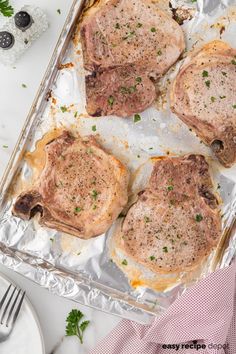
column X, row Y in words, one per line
column 82, row 270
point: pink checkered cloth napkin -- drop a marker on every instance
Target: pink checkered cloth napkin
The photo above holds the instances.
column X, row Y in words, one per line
column 202, row 320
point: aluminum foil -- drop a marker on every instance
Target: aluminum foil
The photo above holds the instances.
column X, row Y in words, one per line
column 81, row 269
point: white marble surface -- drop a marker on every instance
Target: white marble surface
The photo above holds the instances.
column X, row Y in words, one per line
column 15, row 102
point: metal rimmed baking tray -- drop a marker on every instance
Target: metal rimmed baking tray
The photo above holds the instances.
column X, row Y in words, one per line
column 82, row 270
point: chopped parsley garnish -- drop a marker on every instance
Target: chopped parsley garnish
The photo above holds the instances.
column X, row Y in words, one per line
column 234, row 106
column 213, row 99
column 117, row 26
column 205, row 73
column 78, row 209
column 63, row 109
column 75, row 115
column 94, row 207
column 130, row 34
column 124, row 262
column 127, row 90
column 5, row 8
column 94, row 194
column 165, row 249
column 24, row 85
column 137, row 118
column 152, row 258
column 159, row 52
column 146, row 219
column 5, row 146
column 222, row 97
column 218, row 186
column 233, row 62
column 198, row 217
column 94, row 128
column 52, row 239
column 111, row 100
column 139, row 25
column 59, row 11
column 170, row 188
column 153, row 29
column 138, row 79
column 224, row 73
column 74, row 326
column 208, row 83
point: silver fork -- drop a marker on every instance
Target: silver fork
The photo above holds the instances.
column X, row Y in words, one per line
column 10, row 306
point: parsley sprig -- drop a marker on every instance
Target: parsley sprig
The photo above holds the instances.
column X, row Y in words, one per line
column 74, row 325
column 5, row 8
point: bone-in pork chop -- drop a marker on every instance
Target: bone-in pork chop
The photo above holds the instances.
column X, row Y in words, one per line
column 119, row 91
column 81, row 190
column 175, row 222
column 204, row 97
column 125, row 33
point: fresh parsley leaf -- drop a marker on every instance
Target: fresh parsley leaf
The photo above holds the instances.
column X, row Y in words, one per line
column 198, row 217
column 170, row 188
column 137, row 118
column 234, row 106
column 5, row 8
column 233, row 62
column 152, row 258
column 94, row 194
column 205, row 73
column 59, row 11
column 208, row 83
column 138, row 79
column 94, row 128
column 213, row 99
column 63, row 109
column 74, row 326
column 153, row 29
column 78, row 209
column 124, row 262
column 146, row 219
column 24, row 85
column 111, row 100
column 165, row 249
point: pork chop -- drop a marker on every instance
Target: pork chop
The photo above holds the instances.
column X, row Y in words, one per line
column 119, row 91
column 204, row 97
column 125, row 36
column 81, row 190
column 175, row 222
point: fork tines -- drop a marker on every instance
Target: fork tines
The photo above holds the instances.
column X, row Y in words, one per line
column 10, row 305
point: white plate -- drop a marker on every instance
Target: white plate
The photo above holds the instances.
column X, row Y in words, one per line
column 26, row 337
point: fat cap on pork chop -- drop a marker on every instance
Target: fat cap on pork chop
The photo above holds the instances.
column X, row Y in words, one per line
column 175, row 222
column 81, row 191
column 203, row 96
column 122, row 41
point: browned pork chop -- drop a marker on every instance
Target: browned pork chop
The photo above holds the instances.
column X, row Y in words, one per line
column 125, row 36
column 81, row 190
column 175, row 222
column 119, row 91
column 204, row 97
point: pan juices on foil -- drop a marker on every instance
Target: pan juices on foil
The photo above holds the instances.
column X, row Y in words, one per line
column 172, row 224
